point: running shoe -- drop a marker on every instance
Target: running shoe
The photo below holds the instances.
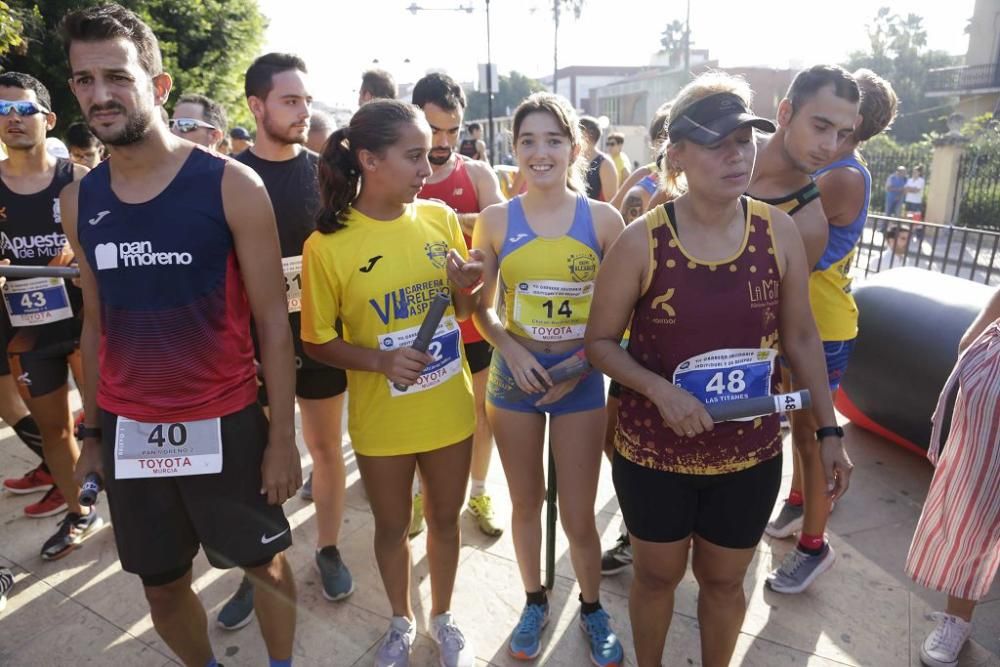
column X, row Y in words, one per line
column 526, row 640
column 945, row 642
column 481, row 507
column 453, row 648
column 800, row 569
column 395, row 648
column 52, row 503
column 417, row 524
column 787, row 523
column 73, row 529
column 33, row 481
column 334, row 575
column 238, row 610
column 605, row 649
column 6, row 583
column 306, row 493
column 618, row 557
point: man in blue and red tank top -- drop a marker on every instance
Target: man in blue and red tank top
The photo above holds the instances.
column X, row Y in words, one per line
column 165, row 233
column 467, row 186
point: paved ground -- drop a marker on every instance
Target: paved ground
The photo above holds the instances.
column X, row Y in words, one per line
column 83, row 610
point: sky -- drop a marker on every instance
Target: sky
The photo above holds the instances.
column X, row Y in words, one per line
column 341, row 38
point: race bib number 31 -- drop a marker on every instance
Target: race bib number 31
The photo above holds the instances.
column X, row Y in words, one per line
column 292, row 267
column 444, row 348
column 727, row 375
column 37, row 301
column 177, row 449
column 553, row 310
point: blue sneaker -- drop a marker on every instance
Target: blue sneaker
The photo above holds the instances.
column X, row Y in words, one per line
column 334, row 575
column 238, row 610
column 526, row 640
column 605, row 649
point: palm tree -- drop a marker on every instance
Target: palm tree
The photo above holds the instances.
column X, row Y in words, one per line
column 576, row 6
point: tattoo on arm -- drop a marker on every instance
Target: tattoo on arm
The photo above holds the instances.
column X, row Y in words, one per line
column 632, row 208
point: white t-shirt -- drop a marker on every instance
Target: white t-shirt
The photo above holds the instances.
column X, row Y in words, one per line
column 918, row 196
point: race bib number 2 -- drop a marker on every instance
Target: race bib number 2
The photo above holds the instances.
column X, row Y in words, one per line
column 445, row 348
column 292, row 268
column 169, row 449
column 36, row 301
column 727, row 375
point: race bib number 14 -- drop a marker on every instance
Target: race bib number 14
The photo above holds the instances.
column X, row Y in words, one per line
column 727, row 375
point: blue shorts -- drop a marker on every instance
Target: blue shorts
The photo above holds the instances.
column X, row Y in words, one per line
column 587, row 395
column 837, row 354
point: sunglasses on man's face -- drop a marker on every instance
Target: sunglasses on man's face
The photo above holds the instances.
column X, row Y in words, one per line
column 185, row 125
column 21, row 108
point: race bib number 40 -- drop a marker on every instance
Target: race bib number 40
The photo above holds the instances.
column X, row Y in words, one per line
column 176, row 449
column 37, row 301
column 553, row 310
column 292, row 268
column 445, row 348
column 727, row 375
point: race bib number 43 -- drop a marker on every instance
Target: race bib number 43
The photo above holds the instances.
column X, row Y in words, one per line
column 444, row 348
column 36, row 301
column 553, row 310
column 177, row 449
column 727, row 375
column 292, row 267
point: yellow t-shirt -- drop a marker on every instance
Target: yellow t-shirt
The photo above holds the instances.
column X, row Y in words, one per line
column 622, row 166
column 379, row 277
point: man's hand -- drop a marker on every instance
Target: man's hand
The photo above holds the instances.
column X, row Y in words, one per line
column 89, row 461
column 465, row 273
column 281, row 470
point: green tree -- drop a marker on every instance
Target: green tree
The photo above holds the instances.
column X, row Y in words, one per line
column 512, row 89
column 672, row 38
column 206, row 45
column 11, row 29
column 898, row 52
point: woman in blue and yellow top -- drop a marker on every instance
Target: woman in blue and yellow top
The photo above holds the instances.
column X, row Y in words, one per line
column 376, row 262
column 541, row 251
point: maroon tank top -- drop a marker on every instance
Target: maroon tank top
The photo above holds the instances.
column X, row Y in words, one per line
column 693, row 308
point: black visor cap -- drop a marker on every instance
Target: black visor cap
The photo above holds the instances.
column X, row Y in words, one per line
column 713, row 118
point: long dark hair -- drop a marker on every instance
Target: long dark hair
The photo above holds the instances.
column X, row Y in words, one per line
column 374, row 128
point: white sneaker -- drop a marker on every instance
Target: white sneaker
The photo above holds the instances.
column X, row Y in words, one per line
column 945, row 642
column 455, row 651
column 395, row 648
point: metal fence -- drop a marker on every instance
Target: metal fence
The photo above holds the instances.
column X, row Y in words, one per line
column 968, row 253
column 977, row 197
column 882, row 162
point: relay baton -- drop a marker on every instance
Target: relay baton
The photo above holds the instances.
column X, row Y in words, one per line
column 92, row 485
column 570, row 371
column 758, row 406
column 39, row 271
column 430, row 324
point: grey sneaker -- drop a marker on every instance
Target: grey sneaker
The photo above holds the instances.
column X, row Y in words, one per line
column 617, row 558
column 334, row 575
column 306, row 492
column 6, row 583
column 454, row 650
column 238, row 610
column 787, row 523
column 395, row 648
column 800, row 569
column 945, row 642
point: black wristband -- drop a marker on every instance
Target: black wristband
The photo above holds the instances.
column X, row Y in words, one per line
column 827, row 431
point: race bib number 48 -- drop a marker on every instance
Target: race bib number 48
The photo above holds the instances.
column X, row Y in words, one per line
column 553, row 310
column 727, row 375
column 36, row 301
column 177, row 449
column 445, row 348
column 292, row 268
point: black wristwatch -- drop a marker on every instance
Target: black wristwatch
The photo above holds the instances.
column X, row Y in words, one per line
column 83, row 432
column 827, row 431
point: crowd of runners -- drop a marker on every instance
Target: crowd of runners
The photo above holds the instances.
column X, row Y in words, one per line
column 217, row 293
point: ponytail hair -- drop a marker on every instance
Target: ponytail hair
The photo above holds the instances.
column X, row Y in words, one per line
column 374, row 128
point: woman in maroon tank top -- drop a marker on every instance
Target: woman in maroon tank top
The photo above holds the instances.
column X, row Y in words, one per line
column 711, row 283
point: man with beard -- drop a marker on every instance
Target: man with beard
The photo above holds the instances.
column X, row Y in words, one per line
column 467, row 186
column 41, row 331
column 277, row 90
column 818, row 114
column 177, row 250
column 199, row 119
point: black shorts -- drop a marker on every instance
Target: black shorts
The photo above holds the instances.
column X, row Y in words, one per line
column 313, row 380
column 159, row 523
column 729, row 510
column 43, row 369
column 479, row 355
